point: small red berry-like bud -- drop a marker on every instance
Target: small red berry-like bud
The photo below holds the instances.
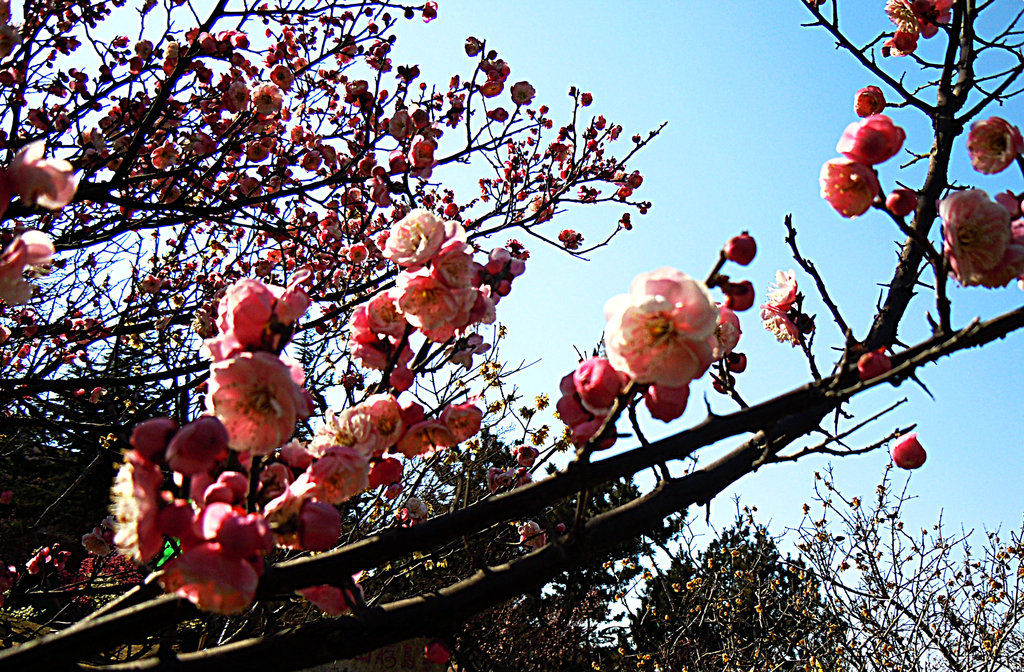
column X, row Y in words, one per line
column 908, row 453
column 741, row 249
column 739, row 295
column 901, row 202
column 736, row 361
column 873, row 364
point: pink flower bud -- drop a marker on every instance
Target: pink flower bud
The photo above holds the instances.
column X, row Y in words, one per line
column 908, row 453
column 177, row 519
column 666, row 403
column 741, row 249
column 241, row 536
column 598, row 384
column 873, row 364
column 901, row 202
column 150, row 438
column 198, row 446
column 872, row 140
column 848, row 186
column 571, row 411
column 525, row 455
column 319, row 526
column 868, row 101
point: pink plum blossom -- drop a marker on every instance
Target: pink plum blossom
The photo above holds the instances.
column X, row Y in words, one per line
column 258, row 398
column 253, row 315
column 48, row 183
column 871, row 140
column 267, row 99
column 426, row 302
column 523, row 93
column 462, row 420
column 531, row 535
column 782, row 293
column 658, row 332
column 198, row 446
column 525, row 455
column 848, row 186
column 423, row 438
column 993, row 144
column 415, row 239
column 777, row 321
column 384, row 317
column 135, row 506
column 32, row 251
column 976, row 233
column 371, row 427
column 385, row 472
column 727, row 333
column 212, row 580
column 336, row 476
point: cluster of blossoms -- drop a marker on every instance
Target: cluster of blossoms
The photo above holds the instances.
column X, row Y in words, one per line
column 850, row 184
column 665, row 333
column 914, row 19
column 241, row 486
column 441, row 292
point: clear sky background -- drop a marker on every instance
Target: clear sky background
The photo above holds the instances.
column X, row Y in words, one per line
column 755, row 104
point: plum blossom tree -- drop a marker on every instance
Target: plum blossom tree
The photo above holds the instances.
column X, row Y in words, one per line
column 264, row 306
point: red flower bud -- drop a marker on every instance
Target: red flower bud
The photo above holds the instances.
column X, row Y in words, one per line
column 873, row 364
column 741, row 249
column 908, row 453
column 901, row 202
column 739, row 295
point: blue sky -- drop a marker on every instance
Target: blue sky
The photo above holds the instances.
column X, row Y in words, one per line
column 754, row 105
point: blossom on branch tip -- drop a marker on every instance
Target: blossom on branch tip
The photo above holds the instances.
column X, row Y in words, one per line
column 907, row 452
column 993, row 144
